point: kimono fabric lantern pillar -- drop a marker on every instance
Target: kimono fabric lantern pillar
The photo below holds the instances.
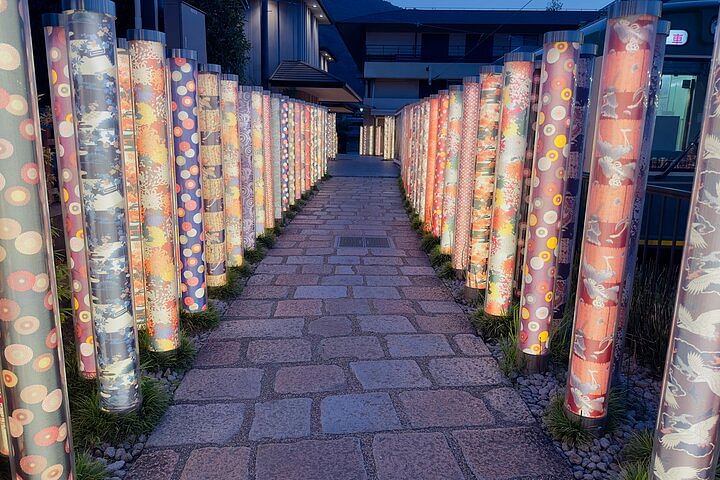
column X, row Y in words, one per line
column 687, row 424
column 33, row 368
column 440, row 162
column 247, row 175
column 231, row 169
column 514, row 125
column 213, row 183
column 573, row 179
column 268, row 152
column 297, row 149
column 561, row 51
column 188, row 183
column 291, row 151
column 258, row 150
column 69, row 183
column 276, row 156
column 307, row 132
column 156, row 179
column 481, row 215
column 431, row 155
column 625, row 76
column 284, row 155
column 91, row 51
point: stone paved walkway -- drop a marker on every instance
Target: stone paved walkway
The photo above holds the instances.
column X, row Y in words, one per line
column 347, row 363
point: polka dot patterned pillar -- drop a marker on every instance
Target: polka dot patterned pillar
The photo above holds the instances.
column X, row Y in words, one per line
column 561, row 51
column 229, row 98
column 247, row 174
column 258, row 150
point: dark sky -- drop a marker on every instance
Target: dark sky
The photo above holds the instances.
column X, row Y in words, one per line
column 504, row 4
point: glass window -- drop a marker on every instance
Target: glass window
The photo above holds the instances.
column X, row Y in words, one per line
column 673, row 113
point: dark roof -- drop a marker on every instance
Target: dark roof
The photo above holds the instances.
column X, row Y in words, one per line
column 415, row 16
column 301, row 76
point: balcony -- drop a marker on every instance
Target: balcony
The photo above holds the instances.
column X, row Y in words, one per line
column 411, row 53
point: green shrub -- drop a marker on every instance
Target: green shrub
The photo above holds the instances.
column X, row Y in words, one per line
column 490, row 326
column 638, row 448
column 446, row 271
column 255, row 255
column 429, row 242
column 563, row 427
column 232, row 287
column 634, row 471
column 89, row 468
column 437, row 258
column 199, row 321
column 179, row 359
column 267, row 239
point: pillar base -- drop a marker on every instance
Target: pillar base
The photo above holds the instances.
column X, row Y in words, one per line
column 459, row 273
column 595, row 426
column 535, row 363
column 472, row 294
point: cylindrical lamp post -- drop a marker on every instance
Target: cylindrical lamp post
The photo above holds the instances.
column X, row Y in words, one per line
column 573, row 179
column 247, row 174
column 490, row 101
column 213, row 183
column 688, row 420
column 431, row 156
column 258, row 153
column 188, row 183
column 231, row 169
column 440, row 161
column 514, row 125
column 268, row 160
column 276, row 155
column 308, row 151
column 91, row 52
column 561, row 51
column 466, row 173
column 34, row 391
column 284, row 155
column 297, row 148
column 69, row 183
column 614, row 176
column 291, row 151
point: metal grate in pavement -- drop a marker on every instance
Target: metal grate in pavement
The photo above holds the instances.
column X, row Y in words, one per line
column 351, row 242
column 368, row 242
column 377, row 242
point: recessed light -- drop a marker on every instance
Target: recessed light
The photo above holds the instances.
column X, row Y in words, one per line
column 315, row 5
column 321, row 16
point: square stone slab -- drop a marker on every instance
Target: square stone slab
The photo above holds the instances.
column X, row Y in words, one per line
column 339, row 459
column 298, row 308
column 285, row 350
column 447, row 323
column 444, row 408
column 330, row 326
column 309, row 378
column 216, row 423
column 214, row 463
column 365, row 412
column 321, row 291
column 215, row 354
column 420, row 345
column 471, row 345
column 414, row 456
column 508, row 403
column 385, row 324
column 220, row 384
column 259, row 328
column 279, row 419
column 358, row 348
column 250, row 308
column 389, row 374
column 466, row 372
column 153, row 465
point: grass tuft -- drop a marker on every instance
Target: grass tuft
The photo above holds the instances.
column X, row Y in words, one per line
column 634, row 471
column 489, row 326
column 437, row 258
column 254, row 255
column 562, row 427
column 89, row 468
column 200, row 321
column 267, row 239
column 179, row 359
column 446, row 270
column 638, row 448
column 429, row 242
column 231, row 289
column 561, row 338
column 512, row 360
column 617, row 408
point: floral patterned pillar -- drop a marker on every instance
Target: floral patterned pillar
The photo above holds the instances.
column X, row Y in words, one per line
column 155, row 175
column 466, row 172
column 276, row 156
column 188, row 186
column 308, row 151
column 561, row 51
column 258, row 156
column 573, row 178
column 614, row 175
column 247, row 174
column 69, row 183
column 268, row 160
column 440, row 161
column 481, row 216
column 284, row 154
column 94, row 78
column 229, row 99
column 213, row 183
column 514, row 125
column 291, row 151
column 33, row 368
column 687, row 424
column 431, row 155
column 297, row 149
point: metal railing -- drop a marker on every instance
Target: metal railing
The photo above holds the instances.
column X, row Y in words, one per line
column 410, row 52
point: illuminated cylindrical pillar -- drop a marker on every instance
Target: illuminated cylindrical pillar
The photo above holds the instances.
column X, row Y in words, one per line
column 466, row 172
column 258, row 149
column 284, row 154
column 431, row 156
column 481, row 216
column 514, row 124
column 156, row 181
column 687, row 423
column 301, row 145
column 297, row 148
column 33, row 368
column 361, row 144
column 213, row 183
column 231, row 169
column 573, row 179
column 247, row 174
column 188, row 184
column 308, row 151
column 91, row 47
column 268, row 160
column 69, row 184
column 276, row 155
column 440, row 160
column 614, row 176
column 561, row 51
column 291, row 151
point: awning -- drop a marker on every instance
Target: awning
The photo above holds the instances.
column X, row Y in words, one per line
column 320, row 84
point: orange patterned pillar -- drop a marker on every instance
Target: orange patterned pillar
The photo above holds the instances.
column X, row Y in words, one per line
column 431, row 154
column 440, row 160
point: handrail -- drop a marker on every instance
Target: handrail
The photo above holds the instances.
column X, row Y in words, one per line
column 674, row 163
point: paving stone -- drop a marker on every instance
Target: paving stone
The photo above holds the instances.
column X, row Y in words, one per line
column 321, row 291
column 261, row 279
column 376, row 270
column 417, row 261
column 347, row 306
column 296, row 279
column 423, row 281
column 276, row 269
column 318, row 269
column 417, row 270
column 319, row 251
column 298, row 308
column 330, row 326
column 508, row 403
column 426, row 293
column 309, row 378
column 258, row 328
column 344, row 260
column 359, row 348
column 265, row 292
column 389, row 374
column 390, row 307
column 279, row 419
column 446, row 323
column 365, row 412
column 460, row 372
column 305, row 260
column 385, row 324
column 440, row 307
column 382, row 261
column 386, row 281
column 153, row 465
column 444, row 408
column 283, row 252
column 525, row 452
column 414, row 456
column 344, row 270
column 214, row 354
column 279, row 351
column 471, row 345
column 272, row 261
column 215, row 423
column 419, row 345
column 342, row 280
column 375, row 292
column 214, row 463
column 311, row 459
column 352, row 251
column 220, row 384
column 250, row 308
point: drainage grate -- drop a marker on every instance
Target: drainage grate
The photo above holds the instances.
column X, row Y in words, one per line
column 368, row 242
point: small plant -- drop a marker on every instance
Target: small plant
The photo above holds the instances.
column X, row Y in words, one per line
column 232, row 287
column 634, row 471
column 446, row 270
column 562, row 427
column 561, row 338
column 254, row 255
column 489, row 326
column 512, row 360
column 617, row 408
column 638, row 448
column 199, row 321
column 437, row 258
column 267, row 239
column 416, row 223
column 428, row 242
column 89, row 468
column 179, row 359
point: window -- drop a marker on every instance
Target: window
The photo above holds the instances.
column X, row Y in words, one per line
column 505, row 42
